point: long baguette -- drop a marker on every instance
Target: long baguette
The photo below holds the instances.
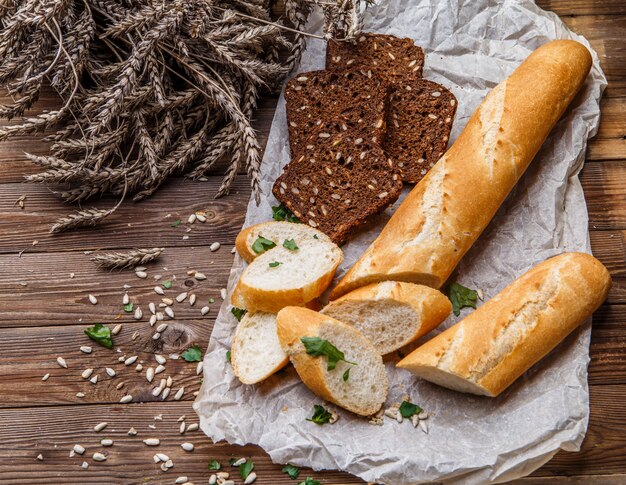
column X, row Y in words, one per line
column 448, row 210
column 488, row 350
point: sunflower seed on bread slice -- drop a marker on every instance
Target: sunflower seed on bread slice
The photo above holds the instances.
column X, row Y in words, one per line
column 391, row 314
column 293, row 271
column 357, row 98
column 420, row 118
column 338, row 181
column 256, row 353
column 391, row 57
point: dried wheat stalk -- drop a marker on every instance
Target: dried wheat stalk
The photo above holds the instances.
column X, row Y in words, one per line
column 149, row 89
column 129, row 259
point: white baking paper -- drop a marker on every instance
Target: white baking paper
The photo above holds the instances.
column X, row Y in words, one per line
column 470, row 47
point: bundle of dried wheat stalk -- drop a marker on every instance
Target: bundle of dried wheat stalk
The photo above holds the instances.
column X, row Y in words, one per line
column 148, row 88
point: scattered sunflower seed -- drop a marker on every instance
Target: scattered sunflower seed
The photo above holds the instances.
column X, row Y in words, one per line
column 200, row 276
column 150, row 374
column 132, row 432
column 161, row 328
column 169, row 381
column 205, row 310
column 80, row 394
column 250, row 479
column 238, row 462
column 78, row 449
column 158, row 290
column 61, row 362
column 100, row 426
column 160, row 359
column 180, row 480
column 181, row 297
column 223, row 293
column 40, row 457
column 94, row 380
column 152, row 308
column 85, row 349
column 193, row 427
column 141, row 274
column 179, row 394
column 46, row 377
column 139, row 367
column 116, row 329
column 201, row 217
column 181, row 428
column 159, row 369
column 119, row 386
column 126, row 399
column 86, row 374
column 199, row 368
column 213, row 479
column 153, row 320
column 106, row 442
column 188, row 447
column 152, row 442
column 424, row 426
column 93, row 300
column 214, row 247
column 99, row 457
column 192, row 218
column 192, row 299
column 138, row 313
column 130, row 360
column 169, row 312
column 156, row 391
column 165, row 393
column 111, row 372
column 135, row 335
column 156, row 336
column 125, row 299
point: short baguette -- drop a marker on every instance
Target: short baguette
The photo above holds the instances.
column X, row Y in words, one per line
column 391, row 314
column 488, row 350
column 448, row 210
column 364, row 391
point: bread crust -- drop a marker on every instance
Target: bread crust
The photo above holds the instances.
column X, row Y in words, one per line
column 450, row 207
column 494, row 345
column 293, row 323
column 432, row 306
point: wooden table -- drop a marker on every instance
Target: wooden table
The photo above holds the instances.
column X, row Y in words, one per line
column 44, row 309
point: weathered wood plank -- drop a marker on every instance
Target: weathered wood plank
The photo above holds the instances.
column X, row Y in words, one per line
column 617, row 479
column 128, row 460
column 52, row 297
column 605, row 193
column 583, row 7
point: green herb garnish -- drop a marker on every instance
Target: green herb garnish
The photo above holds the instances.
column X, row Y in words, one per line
column 176, row 223
column 228, row 355
column 290, row 244
column 273, row 264
column 315, row 236
column 245, row 469
column 292, row 471
column 238, row 312
column 214, row 465
column 211, row 300
column 408, row 409
column 281, row 213
column 461, row 297
column 310, row 481
column 346, row 374
column 128, row 308
column 316, row 347
column 192, row 354
column 100, row 334
column 167, row 284
column 320, row 415
column 261, row 245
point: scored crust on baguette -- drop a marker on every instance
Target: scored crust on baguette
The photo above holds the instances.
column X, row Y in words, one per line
column 391, row 314
column 365, row 391
column 489, row 349
column 300, row 276
column 277, row 232
column 256, row 353
column 449, row 208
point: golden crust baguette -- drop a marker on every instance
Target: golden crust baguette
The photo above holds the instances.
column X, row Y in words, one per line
column 450, row 207
column 488, row 350
column 391, row 314
column 365, row 391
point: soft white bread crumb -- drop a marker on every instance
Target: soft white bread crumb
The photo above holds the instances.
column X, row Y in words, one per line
column 256, row 353
column 391, row 314
column 365, row 391
column 296, row 276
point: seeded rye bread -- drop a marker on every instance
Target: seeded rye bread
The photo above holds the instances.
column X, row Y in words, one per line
column 358, row 98
column 393, row 58
column 338, row 181
column 421, row 113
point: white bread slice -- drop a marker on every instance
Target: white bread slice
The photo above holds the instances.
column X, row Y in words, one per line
column 486, row 351
column 302, row 275
column 391, row 314
column 365, row 390
column 256, row 353
column 277, row 232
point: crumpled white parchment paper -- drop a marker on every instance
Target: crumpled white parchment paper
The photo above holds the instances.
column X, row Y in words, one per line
column 470, row 47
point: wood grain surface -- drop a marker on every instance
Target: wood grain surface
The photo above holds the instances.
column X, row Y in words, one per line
column 44, row 310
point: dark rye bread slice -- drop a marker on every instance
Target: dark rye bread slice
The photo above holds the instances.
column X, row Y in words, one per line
column 338, row 181
column 421, row 113
column 358, row 98
column 393, row 58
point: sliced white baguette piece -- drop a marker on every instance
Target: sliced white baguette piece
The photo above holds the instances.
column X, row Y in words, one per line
column 391, row 314
column 486, row 351
column 276, row 231
column 365, row 390
column 300, row 276
column 256, row 353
